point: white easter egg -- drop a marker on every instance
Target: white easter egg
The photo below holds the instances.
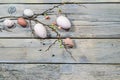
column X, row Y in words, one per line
column 63, row 22
column 40, row 30
column 8, row 23
column 28, row 12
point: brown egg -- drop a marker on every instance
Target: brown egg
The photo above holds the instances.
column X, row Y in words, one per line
column 22, row 22
column 68, row 42
column 47, row 17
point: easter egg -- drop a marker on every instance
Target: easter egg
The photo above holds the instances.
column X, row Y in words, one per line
column 22, row 22
column 68, row 42
column 63, row 22
column 40, row 30
column 8, row 23
column 28, row 13
column 47, row 17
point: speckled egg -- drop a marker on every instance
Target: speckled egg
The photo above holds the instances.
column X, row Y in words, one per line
column 22, row 22
column 63, row 22
column 40, row 30
column 28, row 13
column 8, row 23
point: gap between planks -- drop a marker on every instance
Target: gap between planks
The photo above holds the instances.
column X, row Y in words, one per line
column 58, row 63
column 61, row 38
column 67, row 3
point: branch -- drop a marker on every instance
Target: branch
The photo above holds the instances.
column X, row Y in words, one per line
column 48, row 10
column 59, row 38
column 58, row 35
column 51, row 45
column 15, row 17
column 36, row 20
column 68, row 50
column 69, row 53
column 30, row 24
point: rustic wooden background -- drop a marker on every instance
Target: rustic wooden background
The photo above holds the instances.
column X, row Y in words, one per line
column 95, row 31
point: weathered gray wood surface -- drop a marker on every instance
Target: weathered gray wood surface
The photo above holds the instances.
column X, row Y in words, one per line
column 85, row 51
column 98, row 59
column 59, row 72
column 97, row 20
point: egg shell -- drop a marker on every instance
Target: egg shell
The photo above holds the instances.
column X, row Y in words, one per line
column 28, row 12
column 63, row 22
column 47, row 17
column 8, row 23
column 68, row 42
column 40, row 30
column 22, row 22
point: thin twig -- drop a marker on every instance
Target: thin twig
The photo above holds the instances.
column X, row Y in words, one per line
column 51, row 45
column 48, row 10
column 36, row 20
column 15, row 17
column 82, row 5
column 69, row 53
column 30, row 24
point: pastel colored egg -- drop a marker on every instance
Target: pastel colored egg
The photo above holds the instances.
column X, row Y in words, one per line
column 68, row 42
column 63, row 22
column 22, row 22
column 8, row 23
column 28, row 13
column 40, row 30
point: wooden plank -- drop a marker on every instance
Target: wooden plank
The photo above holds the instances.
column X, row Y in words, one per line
column 97, row 20
column 76, row 32
column 85, row 51
column 55, row 1
column 59, row 72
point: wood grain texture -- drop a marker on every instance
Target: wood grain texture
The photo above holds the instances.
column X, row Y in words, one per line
column 85, row 51
column 94, row 19
column 59, row 72
column 54, row 1
column 97, row 20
